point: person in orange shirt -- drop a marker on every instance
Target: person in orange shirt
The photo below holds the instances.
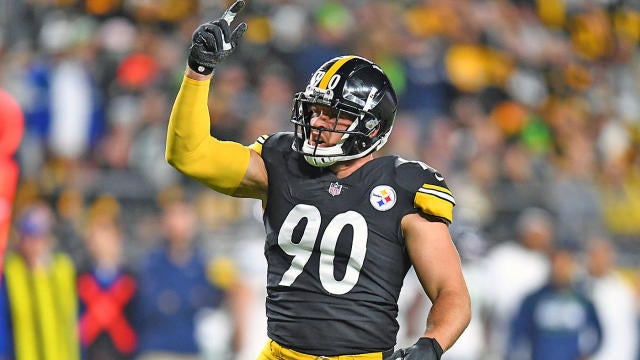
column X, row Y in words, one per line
column 11, row 130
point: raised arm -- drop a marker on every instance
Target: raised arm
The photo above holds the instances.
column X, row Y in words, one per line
column 225, row 166
column 437, row 264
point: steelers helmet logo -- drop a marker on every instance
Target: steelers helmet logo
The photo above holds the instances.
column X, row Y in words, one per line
column 383, row 197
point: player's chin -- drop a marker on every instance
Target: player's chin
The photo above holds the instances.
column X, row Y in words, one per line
column 318, row 142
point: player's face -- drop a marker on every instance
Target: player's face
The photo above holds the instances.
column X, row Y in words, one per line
column 324, row 117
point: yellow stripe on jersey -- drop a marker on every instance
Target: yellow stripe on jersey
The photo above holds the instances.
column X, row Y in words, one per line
column 435, row 200
column 332, row 70
column 257, row 145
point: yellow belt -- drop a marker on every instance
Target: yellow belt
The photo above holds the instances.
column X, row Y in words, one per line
column 275, row 351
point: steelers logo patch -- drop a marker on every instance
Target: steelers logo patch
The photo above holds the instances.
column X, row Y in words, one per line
column 383, row 197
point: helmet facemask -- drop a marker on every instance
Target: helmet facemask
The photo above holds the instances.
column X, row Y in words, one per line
column 348, row 87
column 356, row 141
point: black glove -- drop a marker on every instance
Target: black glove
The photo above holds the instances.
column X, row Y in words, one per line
column 214, row 41
column 424, row 349
column 397, row 355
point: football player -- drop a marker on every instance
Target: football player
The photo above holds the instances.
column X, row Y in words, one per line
column 342, row 227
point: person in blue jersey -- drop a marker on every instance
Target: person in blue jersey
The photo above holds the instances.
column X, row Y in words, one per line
column 557, row 321
column 343, row 226
column 176, row 281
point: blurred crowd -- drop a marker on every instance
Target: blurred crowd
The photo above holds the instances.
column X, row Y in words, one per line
column 530, row 108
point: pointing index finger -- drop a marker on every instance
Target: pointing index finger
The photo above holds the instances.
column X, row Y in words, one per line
column 231, row 12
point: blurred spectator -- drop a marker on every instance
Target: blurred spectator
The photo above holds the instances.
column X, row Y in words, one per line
column 252, row 266
column 235, row 234
column 145, row 156
column 38, row 300
column 614, row 299
column 557, row 321
column 176, row 283
column 521, row 185
column 574, row 196
column 474, row 184
column 620, row 194
column 106, row 289
column 514, row 269
column 64, row 111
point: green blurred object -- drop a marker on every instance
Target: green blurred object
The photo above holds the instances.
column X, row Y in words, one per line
column 395, row 71
column 334, row 17
column 536, row 135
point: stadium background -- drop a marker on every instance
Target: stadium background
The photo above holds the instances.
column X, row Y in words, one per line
column 519, row 103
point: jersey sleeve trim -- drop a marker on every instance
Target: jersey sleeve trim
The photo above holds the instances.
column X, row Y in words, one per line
column 439, row 191
column 435, row 200
column 257, row 145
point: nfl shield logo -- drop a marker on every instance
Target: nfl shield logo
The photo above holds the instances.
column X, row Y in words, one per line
column 335, row 189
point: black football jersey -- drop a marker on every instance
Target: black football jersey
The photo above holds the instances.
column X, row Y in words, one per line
column 335, row 250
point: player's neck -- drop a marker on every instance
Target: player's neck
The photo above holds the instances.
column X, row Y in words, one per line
column 345, row 168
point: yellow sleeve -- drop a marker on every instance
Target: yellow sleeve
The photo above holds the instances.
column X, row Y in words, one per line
column 435, row 200
column 220, row 165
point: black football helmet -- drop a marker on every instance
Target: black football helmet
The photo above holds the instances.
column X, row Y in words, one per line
column 355, row 88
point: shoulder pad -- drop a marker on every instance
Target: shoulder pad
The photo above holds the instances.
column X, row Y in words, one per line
column 432, row 196
column 270, row 145
column 257, row 145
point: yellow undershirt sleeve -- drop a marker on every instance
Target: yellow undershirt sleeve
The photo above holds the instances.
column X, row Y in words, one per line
column 220, row 165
